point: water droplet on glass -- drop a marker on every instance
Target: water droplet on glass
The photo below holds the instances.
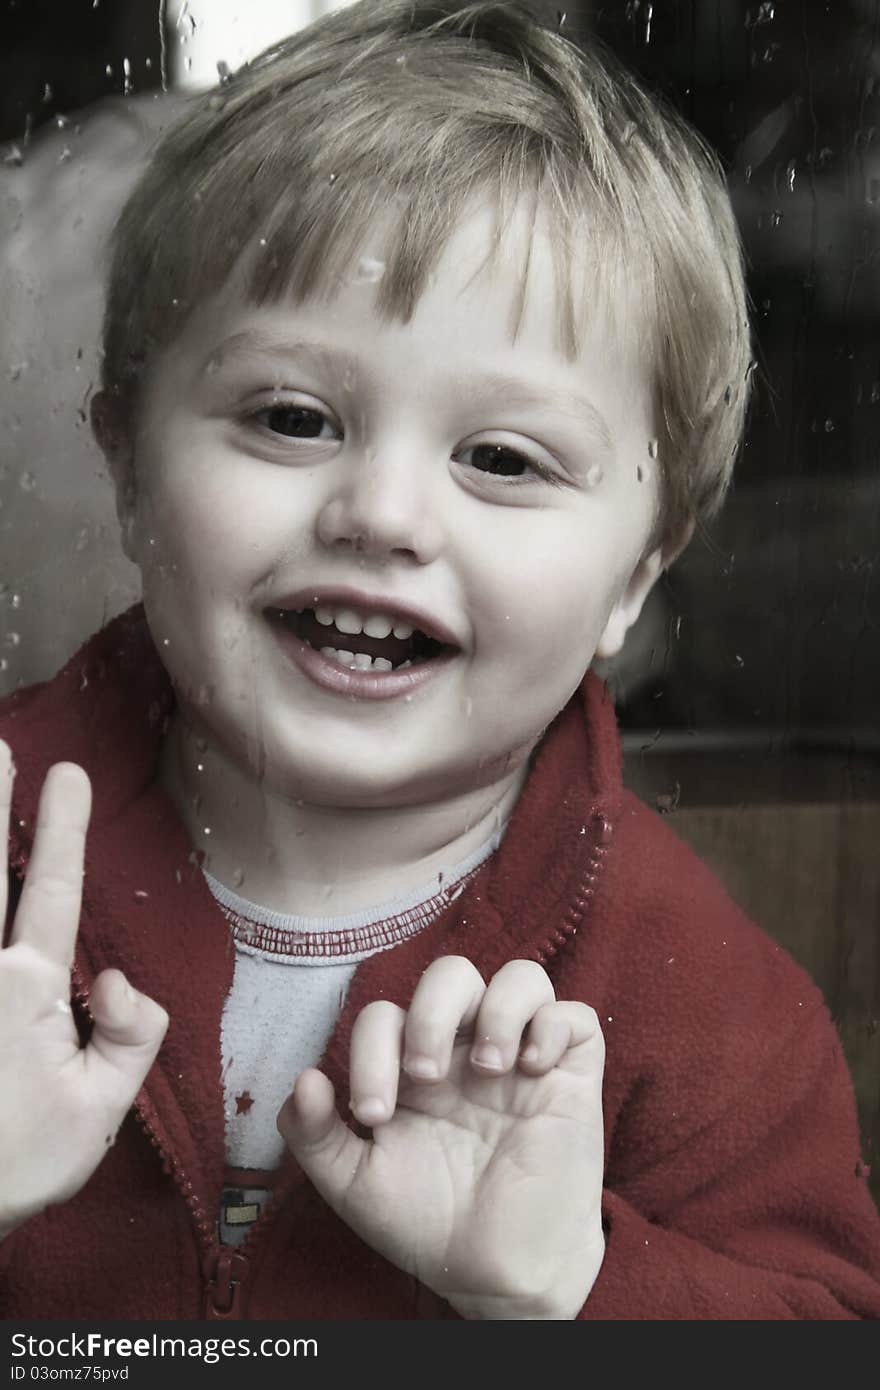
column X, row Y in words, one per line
column 791, row 175
column 653, row 448
column 237, row 877
column 27, row 482
column 206, row 830
column 369, row 271
column 594, row 475
column 15, row 601
column 4, row 664
column 775, row 217
column 468, row 707
column 829, row 426
column 12, row 639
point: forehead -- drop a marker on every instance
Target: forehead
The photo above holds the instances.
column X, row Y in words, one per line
column 510, row 286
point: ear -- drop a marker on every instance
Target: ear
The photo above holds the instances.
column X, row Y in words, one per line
column 630, row 603
column 111, row 428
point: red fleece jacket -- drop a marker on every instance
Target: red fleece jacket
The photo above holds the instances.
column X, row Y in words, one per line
column 734, row 1187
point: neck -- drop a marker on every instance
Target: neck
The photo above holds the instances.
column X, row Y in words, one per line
column 296, row 857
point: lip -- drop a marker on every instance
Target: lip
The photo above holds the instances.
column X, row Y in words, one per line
column 340, row 596
column 353, row 684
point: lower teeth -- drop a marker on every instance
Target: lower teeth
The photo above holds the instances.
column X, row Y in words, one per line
column 359, row 661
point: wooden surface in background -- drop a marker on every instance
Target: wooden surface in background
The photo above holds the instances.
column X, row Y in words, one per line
column 795, row 842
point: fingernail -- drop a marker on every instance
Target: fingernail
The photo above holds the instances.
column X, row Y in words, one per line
column 529, row 1054
column 485, row 1055
column 425, row 1068
column 371, row 1111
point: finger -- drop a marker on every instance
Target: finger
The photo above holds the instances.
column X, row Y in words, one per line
column 128, row 1032
column 512, row 998
column 48, row 913
column 446, row 1001
column 7, row 774
column 374, row 1066
column 325, row 1148
column 559, row 1029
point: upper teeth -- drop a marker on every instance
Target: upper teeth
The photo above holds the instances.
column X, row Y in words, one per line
column 377, row 625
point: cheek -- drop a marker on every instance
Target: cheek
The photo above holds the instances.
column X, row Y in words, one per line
column 205, row 524
column 552, row 599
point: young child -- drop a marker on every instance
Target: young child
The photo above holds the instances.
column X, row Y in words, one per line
column 425, row 349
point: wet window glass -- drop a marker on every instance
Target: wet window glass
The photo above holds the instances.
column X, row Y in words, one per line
column 747, row 693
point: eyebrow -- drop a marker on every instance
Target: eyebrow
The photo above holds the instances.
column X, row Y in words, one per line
column 253, row 342
column 513, row 392
column 508, row 390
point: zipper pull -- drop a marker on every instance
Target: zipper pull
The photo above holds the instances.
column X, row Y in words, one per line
column 224, row 1271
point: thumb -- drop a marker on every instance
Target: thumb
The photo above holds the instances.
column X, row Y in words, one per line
column 129, row 1027
column 323, row 1146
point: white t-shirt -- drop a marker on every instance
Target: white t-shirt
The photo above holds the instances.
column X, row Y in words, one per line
column 290, row 981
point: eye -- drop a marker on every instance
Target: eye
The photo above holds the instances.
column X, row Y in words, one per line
column 293, row 421
column 511, row 463
column 497, row 459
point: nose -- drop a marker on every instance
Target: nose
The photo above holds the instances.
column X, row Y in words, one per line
column 381, row 505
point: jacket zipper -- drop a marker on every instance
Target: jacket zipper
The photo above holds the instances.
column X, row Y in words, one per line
column 224, row 1268
column 601, row 835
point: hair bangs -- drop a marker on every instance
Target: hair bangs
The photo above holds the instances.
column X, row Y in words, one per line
column 356, row 147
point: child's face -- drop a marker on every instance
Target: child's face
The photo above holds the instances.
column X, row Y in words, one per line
column 441, row 474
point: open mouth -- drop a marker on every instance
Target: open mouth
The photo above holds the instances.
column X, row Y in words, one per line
column 373, row 642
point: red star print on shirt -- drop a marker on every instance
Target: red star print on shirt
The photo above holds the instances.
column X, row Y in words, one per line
column 243, row 1103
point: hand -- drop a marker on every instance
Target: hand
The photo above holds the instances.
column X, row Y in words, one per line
column 62, row 1103
column 483, row 1179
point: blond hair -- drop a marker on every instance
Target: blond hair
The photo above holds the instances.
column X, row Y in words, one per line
column 409, row 109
